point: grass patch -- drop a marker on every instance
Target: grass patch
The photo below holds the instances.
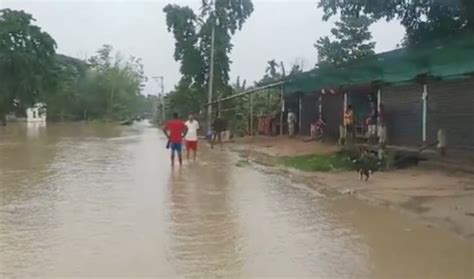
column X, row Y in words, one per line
column 338, row 161
column 242, row 163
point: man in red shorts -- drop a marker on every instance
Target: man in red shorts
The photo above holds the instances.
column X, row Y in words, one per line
column 175, row 130
column 191, row 138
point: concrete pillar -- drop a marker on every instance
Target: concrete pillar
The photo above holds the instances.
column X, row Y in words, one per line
column 342, row 134
column 345, row 102
column 379, row 101
column 342, row 127
column 320, row 106
column 424, row 97
column 442, row 141
column 382, row 134
column 300, row 108
column 381, row 128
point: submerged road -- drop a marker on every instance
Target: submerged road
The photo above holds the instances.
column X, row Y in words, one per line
column 95, row 200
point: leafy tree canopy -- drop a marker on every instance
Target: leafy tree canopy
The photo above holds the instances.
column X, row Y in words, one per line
column 108, row 87
column 297, row 67
column 27, row 57
column 424, row 20
column 351, row 41
column 192, row 33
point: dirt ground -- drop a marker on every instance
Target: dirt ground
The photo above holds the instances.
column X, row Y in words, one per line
column 436, row 197
column 285, row 146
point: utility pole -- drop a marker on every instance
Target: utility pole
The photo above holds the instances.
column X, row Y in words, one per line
column 163, row 114
column 160, row 81
column 211, row 68
column 211, row 80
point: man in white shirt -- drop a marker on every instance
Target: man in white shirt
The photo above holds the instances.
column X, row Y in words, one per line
column 191, row 138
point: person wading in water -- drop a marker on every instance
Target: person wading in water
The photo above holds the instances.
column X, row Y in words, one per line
column 218, row 127
column 175, row 130
column 191, row 137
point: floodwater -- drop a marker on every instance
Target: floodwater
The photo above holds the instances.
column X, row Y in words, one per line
column 95, row 200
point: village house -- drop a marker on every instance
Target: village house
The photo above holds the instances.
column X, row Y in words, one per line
column 422, row 94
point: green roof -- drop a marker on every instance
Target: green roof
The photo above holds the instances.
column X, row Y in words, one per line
column 447, row 60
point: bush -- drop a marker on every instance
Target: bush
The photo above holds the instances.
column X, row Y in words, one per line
column 338, row 161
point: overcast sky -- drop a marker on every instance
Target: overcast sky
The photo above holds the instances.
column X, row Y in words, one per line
column 284, row 30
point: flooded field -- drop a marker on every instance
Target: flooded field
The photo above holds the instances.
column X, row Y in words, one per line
column 97, row 200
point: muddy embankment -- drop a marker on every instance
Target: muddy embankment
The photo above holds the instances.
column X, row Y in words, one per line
column 434, row 197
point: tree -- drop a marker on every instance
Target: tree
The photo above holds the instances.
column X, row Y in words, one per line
column 351, row 41
column 424, row 20
column 192, row 35
column 63, row 98
column 239, row 86
column 276, row 71
column 297, row 67
column 227, row 17
column 108, row 88
column 183, row 23
column 272, row 70
column 26, row 60
column 30, row 71
column 185, row 100
column 116, row 85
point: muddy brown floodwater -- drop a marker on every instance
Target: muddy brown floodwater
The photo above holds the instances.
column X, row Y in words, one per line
column 82, row 200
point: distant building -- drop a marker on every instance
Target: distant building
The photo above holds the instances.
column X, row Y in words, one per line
column 37, row 113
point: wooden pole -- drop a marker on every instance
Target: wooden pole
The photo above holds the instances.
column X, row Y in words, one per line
column 163, row 113
column 251, row 113
column 211, row 81
column 300, row 108
column 282, row 109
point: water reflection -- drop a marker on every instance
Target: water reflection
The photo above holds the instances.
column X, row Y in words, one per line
column 34, row 129
column 204, row 232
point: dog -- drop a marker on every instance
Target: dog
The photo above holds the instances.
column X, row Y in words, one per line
column 362, row 169
column 366, row 165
